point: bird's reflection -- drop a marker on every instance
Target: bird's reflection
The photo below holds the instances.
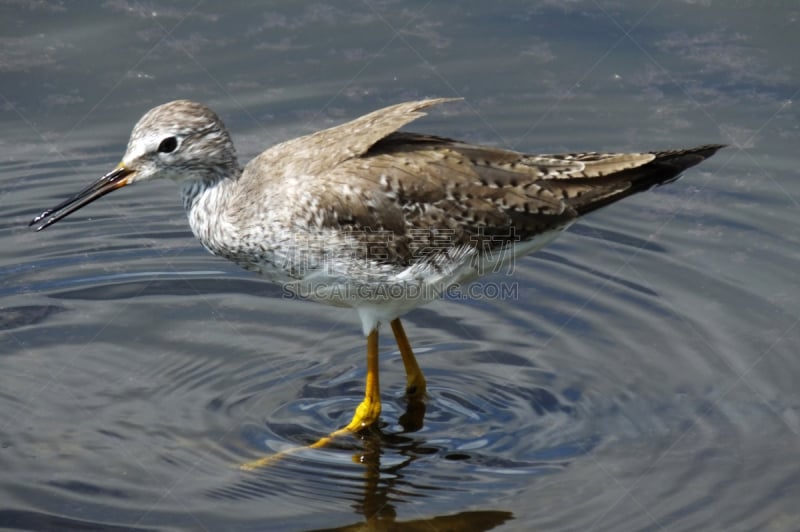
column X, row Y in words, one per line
column 384, row 488
column 377, row 507
column 412, row 419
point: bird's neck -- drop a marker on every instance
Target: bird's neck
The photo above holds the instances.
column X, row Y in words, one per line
column 200, row 189
column 206, row 203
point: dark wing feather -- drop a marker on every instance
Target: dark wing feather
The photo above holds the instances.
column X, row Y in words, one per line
column 601, row 185
column 432, row 192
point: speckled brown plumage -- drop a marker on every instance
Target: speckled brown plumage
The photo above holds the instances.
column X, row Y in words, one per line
column 362, row 205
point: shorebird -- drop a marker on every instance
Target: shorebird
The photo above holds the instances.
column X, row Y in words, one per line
column 365, row 216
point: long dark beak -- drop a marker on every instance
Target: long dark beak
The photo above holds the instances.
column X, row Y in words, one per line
column 116, row 178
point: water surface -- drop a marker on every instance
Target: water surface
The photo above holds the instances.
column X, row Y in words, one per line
column 639, row 374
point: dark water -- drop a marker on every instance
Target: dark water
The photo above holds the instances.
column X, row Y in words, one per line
column 640, row 373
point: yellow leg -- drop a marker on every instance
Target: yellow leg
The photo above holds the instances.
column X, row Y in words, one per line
column 365, row 416
column 415, row 380
column 370, row 408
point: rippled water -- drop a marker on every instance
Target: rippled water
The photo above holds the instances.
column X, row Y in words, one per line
column 640, row 373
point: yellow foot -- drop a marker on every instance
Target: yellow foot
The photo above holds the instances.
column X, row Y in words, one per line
column 268, row 460
column 366, row 415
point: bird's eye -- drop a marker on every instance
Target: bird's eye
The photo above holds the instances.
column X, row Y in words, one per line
column 168, row 145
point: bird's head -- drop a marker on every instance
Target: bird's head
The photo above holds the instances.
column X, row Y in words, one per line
column 180, row 140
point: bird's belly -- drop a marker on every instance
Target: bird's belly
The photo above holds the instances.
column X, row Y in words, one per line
column 379, row 291
column 400, row 289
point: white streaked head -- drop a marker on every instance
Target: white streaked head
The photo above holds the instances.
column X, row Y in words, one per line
column 180, row 140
